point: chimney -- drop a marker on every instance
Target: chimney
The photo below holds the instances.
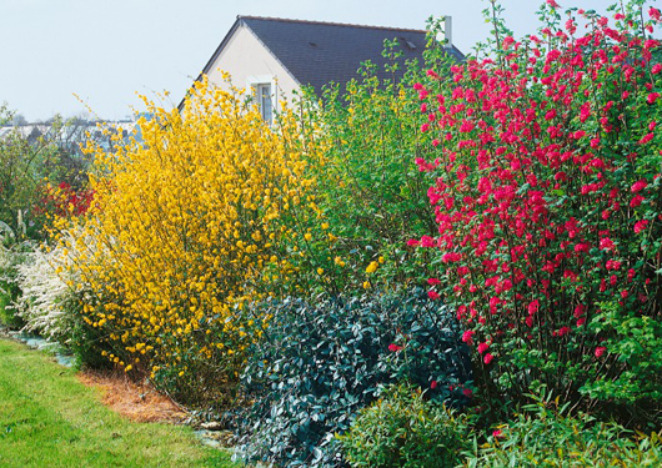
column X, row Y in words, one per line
column 448, row 32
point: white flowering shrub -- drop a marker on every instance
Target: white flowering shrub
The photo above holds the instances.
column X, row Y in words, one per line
column 49, row 300
column 45, row 292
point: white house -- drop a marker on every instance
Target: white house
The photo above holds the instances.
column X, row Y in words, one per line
column 277, row 56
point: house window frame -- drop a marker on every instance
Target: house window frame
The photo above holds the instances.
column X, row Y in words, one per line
column 256, row 85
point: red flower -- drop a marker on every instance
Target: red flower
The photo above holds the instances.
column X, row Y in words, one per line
column 599, row 351
column 488, row 358
column 482, row 347
column 497, row 433
column 451, row 257
column 394, row 348
column 638, row 186
column 433, row 384
column 553, row 4
column 640, row 226
column 467, row 337
column 467, row 392
column 433, row 295
column 606, row 244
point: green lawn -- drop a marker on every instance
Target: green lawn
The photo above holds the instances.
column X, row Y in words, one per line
column 48, row 418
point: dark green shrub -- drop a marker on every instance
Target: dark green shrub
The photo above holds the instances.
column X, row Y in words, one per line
column 321, row 361
column 10, row 258
column 401, row 429
column 544, row 435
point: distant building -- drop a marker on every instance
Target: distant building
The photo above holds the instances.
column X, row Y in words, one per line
column 276, row 57
column 70, row 135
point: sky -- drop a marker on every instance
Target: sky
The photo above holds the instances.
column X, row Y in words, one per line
column 106, row 51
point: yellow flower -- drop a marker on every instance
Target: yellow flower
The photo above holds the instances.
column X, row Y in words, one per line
column 372, row 267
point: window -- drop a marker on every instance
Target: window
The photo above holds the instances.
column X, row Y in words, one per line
column 264, row 100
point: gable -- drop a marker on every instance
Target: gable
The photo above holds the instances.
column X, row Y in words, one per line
column 248, row 61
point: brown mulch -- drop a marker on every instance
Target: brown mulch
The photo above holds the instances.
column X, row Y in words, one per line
column 137, row 402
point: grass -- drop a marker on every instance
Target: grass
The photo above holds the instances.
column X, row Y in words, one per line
column 48, row 418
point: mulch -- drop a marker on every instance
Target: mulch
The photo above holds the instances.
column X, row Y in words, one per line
column 137, row 402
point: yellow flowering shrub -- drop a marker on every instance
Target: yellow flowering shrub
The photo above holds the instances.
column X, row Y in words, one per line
column 189, row 225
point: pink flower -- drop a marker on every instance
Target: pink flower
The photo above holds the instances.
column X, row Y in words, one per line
column 606, row 244
column 488, row 358
column 553, row 4
column 579, row 310
column 497, row 433
column 433, row 295
column 636, row 201
column 638, row 186
column 467, row 336
column 563, row 331
column 612, row 265
column 433, row 281
column 640, row 226
column 657, row 68
column 451, row 257
column 394, row 348
column 652, row 97
column 482, row 347
column 599, row 351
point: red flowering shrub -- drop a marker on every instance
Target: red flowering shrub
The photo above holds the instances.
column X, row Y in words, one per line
column 64, row 201
column 549, row 207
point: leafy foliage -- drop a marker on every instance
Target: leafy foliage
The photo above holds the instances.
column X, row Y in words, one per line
column 319, row 362
column 371, row 193
column 28, row 168
column 544, row 435
column 403, row 429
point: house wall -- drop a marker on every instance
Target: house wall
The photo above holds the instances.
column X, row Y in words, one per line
column 249, row 62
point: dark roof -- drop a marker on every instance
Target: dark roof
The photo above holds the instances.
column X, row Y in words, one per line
column 316, row 53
